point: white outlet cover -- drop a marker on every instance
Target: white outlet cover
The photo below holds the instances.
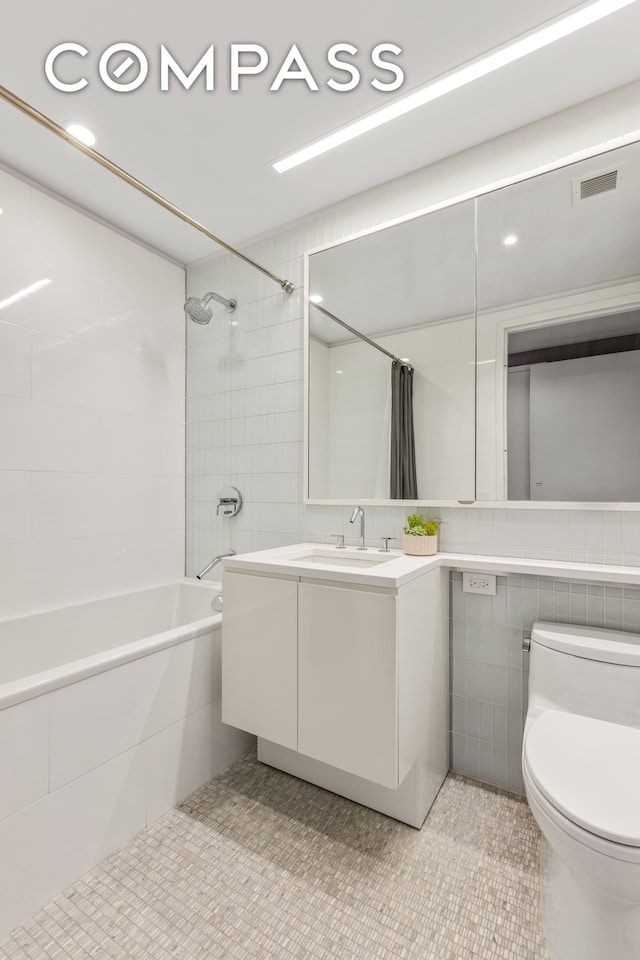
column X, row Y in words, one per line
column 479, row 583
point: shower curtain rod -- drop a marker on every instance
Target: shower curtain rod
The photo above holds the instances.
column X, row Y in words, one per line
column 357, row 333
column 51, row 125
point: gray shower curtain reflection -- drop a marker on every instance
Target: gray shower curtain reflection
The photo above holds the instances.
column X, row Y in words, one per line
column 404, row 481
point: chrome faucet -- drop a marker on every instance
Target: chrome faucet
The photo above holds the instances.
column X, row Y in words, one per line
column 215, row 560
column 359, row 512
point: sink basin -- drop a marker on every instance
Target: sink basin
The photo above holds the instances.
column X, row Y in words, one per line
column 338, row 558
column 323, row 561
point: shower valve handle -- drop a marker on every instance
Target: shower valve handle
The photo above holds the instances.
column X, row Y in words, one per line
column 229, row 502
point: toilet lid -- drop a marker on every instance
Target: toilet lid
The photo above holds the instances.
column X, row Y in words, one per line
column 590, row 771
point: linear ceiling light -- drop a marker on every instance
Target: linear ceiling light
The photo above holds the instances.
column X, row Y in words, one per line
column 556, row 30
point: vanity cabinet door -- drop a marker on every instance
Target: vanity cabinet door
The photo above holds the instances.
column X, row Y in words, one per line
column 259, row 656
column 347, row 676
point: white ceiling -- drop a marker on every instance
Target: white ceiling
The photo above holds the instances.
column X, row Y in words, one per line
column 211, row 153
column 424, row 270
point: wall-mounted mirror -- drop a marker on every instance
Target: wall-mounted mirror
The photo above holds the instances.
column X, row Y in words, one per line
column 553, row 340
column 558, row 328
column 410, row 289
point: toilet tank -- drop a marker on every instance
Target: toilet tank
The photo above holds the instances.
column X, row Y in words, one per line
column 584, row 670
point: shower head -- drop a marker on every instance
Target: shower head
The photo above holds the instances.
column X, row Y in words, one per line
column 199, row 309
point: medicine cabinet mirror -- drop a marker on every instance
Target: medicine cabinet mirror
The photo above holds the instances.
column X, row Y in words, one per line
column 558, row 332
column 411, row 289
column 525, row 349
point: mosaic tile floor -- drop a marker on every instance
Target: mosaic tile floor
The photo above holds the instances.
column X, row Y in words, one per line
column 257, row 864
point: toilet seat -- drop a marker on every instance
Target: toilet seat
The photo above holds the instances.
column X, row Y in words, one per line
column 588, row 773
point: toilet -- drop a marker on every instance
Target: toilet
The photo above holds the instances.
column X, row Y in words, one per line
column 581, row 770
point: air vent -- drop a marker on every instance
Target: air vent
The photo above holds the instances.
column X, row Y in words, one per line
column 603, row 182
column 606, row 181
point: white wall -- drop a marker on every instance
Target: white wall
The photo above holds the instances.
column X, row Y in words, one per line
column 573, row 428
column 357, row 381
column 584, row 428
column 91, row 406
column 518, row 439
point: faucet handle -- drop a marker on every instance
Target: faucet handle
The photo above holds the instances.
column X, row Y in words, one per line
column 340, row 544
column 229, row 502
column 384, row 544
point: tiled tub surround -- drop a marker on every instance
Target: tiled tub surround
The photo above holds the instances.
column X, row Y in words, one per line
column 110, row 715
column 91, row 406
column 489, row 669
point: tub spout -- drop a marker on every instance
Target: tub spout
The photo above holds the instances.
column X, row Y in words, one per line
column 215, row 560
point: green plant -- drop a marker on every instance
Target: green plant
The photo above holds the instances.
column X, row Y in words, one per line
column 417, row 526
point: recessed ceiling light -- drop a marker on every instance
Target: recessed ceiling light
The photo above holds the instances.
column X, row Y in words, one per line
column 315, row 298
column 339, row 371
column 80, row 132
column 501, row 57
column 510, row 239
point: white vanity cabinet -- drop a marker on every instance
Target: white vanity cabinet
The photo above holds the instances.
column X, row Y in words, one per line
column 351, row 678
column 259, row 656
column 347, row 679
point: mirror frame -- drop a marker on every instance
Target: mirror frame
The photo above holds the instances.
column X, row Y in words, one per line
column 601, row 149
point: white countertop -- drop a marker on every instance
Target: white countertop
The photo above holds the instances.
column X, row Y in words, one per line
column 563, row 570
column 400, row 568
column 397, row 568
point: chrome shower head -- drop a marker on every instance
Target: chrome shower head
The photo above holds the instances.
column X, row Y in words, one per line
column 199, row 309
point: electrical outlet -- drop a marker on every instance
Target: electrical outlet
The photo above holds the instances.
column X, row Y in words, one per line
column 479, row 583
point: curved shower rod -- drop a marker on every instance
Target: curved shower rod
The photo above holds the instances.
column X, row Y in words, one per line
column 54, row 127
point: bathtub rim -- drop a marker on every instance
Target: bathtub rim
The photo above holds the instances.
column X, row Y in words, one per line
column 44, row 682
column 215, row 585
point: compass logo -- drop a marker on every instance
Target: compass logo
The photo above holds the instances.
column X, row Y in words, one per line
column 124, row 67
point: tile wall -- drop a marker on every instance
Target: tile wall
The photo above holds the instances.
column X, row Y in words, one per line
column 245, row 391
column 91, row 406
column 489, row 669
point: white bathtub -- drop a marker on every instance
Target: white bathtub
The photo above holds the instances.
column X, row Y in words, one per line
column 109, row 716
column 41, row 652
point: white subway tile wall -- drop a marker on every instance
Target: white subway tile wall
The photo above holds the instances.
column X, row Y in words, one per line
column 92, row 385
column 244, row 427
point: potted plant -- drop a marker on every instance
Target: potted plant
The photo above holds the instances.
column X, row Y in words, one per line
column 420, row 536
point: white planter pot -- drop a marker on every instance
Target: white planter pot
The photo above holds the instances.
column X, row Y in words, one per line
column 420, row 546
